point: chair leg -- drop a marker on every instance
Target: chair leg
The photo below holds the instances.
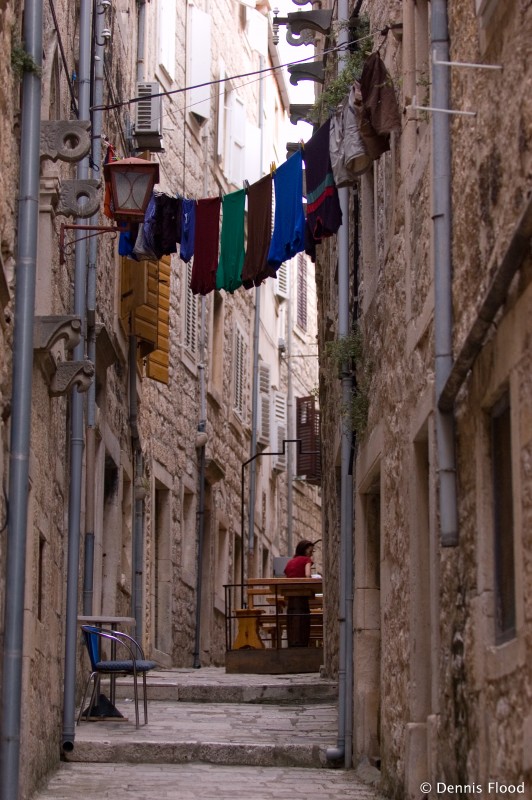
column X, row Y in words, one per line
column 91, row 704
column 136, row 693
column 145, row 692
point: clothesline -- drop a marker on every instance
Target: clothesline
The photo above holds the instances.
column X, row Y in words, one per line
column 342, row 149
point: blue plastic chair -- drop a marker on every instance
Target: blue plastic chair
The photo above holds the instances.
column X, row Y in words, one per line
column 133, row 666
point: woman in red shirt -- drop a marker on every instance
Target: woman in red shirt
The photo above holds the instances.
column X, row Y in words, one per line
column 298, row 609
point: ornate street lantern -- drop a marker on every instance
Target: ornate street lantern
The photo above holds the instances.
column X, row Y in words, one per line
column 132, row 181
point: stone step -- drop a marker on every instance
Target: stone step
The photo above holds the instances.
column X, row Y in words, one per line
column 222, row 733
column 195, row 687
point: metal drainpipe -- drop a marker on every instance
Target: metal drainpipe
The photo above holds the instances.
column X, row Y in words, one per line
column 28, row 223
column 255, row 385
column 90, row 457
column 76, row 436
column 137, row 491
column 441, row 200
column 289, row 420
column 345, row 691
column 202, row 427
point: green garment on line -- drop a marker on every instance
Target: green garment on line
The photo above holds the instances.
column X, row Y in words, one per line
column 231, row 261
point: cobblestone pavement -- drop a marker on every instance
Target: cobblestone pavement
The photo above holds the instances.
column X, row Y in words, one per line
column 229, row 737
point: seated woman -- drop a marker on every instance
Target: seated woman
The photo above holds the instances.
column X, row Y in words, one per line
column 298, row 609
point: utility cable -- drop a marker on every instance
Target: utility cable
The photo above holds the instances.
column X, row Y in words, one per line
column 342, row 46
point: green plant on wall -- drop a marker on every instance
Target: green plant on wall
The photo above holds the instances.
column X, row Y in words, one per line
column 349, row 356
column 21, row 60
column 337, row 89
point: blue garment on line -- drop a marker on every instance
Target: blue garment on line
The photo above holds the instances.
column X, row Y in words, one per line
column 188, row 227
column 289, row 222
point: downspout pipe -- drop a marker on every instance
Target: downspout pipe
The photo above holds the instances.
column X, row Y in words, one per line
column 255, row 380
column 201, row 445
column 76, row 433
column 289, row 418
column 202, row 428
column 28, row 223
column 137, row 489
column 345, row 651
column 442, row 232
column 90, row 457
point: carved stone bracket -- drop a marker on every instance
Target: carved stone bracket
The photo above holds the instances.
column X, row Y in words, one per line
column 319, row 21
column 67, row 140
column 313, row 71
column 73, row 193
column 300, row 112
column 48, row 331
column 69, row 374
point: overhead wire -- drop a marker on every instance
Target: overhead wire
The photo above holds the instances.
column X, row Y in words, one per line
column 217, row 81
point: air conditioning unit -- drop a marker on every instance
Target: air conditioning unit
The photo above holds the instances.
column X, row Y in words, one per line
column 148, row 130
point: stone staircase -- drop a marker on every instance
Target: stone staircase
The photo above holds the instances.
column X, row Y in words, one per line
column 210, row 717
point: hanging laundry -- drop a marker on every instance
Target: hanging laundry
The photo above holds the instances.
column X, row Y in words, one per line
column 126, row 241
column 162, row 224
column 310, row 244
column 289, row 222
column 349, row 157
column 256, row 268
column 141, row 251
column 188, row 223
column 324, row 215
column 378, row 96
column 206, row 240
column 229, row 273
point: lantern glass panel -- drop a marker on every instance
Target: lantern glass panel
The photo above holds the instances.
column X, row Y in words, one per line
column 131, row 190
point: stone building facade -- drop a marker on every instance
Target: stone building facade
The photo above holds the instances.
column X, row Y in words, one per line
column 159, row 522
column 441, row 623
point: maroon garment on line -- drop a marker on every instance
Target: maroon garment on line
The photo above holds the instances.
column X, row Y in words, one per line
column 206, row 241
column 256, row 268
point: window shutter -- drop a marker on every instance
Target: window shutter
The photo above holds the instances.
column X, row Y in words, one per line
column 281, row 281
column 191, row 315
column 302, row 291
column 263, row 427
column 199, row 63
column 280, row 430
column 237, row 139
column 220, row 138
column 133, row 286
column 239, row 373
column 158, row 362
column 167, row 29
column 144, row 318
column 308, row 432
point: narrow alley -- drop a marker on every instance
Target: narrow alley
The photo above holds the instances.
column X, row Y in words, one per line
column 214, row 735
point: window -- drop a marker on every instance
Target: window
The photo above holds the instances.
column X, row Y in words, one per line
column 199, row 63
column 167, row 29
column 263, row 423
column 191, row 315
column 302, row 291
column 237, row 139
column 239, row 375
column 217, row 344
column 280, row 434
column 503, row 520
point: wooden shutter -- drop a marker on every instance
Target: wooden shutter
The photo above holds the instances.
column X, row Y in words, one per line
column 308, row 432
column 302, row 291
column 280, row 430
column 239, row 372
column 158, row 361
column 281, row 281
column 263, row 426
column 191, row 315
column 133, row 287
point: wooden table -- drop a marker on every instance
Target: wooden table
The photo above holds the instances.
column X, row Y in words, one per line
column 106, row 707
column 280, row 589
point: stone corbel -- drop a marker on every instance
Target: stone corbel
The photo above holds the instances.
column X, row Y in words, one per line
column 48, row 331
column 300, row 112
column 313, row 71
column 67, row 140
column 69, row 374
column 302, row 23
column 71, row 195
